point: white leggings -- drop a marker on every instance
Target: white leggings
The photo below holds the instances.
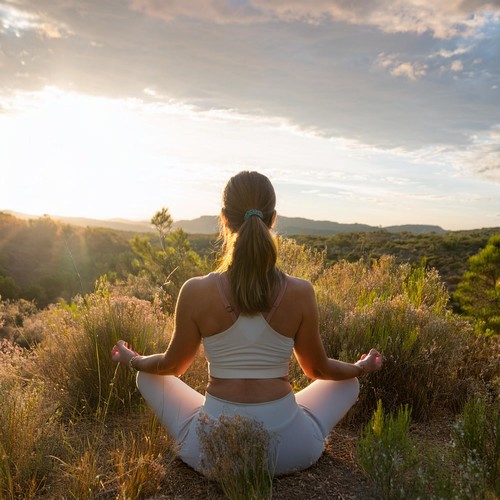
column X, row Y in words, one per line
column 301, row 422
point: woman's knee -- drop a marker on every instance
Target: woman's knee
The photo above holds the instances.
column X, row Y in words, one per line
column 351, row 389
column 141, row 379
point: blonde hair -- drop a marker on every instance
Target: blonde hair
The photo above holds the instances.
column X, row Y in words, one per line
column 249, row 247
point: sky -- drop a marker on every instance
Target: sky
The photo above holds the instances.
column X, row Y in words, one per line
column 383, row 112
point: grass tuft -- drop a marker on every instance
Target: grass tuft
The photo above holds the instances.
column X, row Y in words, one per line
column 237, row 453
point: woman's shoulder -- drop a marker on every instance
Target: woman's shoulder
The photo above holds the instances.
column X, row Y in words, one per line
column 299, row 285
column 199, row 283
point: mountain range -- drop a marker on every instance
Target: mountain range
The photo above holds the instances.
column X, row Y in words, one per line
column 207, row 224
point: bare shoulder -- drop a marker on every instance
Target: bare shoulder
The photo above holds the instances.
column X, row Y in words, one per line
column 299, row 288
column 198, row 285
column 299, row 284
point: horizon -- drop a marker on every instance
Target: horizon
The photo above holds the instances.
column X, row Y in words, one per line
column 386, row 115
column 147, row 221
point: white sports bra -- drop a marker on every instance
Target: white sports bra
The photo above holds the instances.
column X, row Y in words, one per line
column 249, row 348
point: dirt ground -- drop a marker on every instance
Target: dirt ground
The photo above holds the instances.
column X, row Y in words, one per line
column 335, row 476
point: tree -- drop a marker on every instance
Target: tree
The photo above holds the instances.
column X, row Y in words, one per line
column 479, row 291
column 162, row 221
column 169, row 267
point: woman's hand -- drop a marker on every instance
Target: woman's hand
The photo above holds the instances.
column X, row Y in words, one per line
column 370, row 362
column 122, row 353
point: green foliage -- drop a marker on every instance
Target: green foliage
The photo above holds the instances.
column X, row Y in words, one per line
column 169, row 267
column 75, row 355
column 237, row 454
column 162, row 221
column 477, row 445
column 402, row 468
column 387, row 453
column 44, row 260
column 479, row 291
column 448, row 252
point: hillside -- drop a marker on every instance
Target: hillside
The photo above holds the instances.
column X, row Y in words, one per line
column 45, row 259
column 207, row 224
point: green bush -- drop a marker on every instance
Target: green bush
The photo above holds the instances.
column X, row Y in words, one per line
column 477, row 444
column 387, row 454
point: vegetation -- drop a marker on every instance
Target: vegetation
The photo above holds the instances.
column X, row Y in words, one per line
column 43, row 260
column 479, row 291
column 172, row 264
column 447, row 253
column 401, row 467
column 235, row 453
column 72, row 423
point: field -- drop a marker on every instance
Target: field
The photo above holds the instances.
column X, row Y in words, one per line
column 426, row 426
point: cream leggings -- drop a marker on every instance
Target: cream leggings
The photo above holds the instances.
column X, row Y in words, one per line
column 299, row 422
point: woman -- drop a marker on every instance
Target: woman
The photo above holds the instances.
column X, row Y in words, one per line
column 250, row 318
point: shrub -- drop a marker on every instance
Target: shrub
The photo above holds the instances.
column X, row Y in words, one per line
column 236, row 453
column 477, row 444
column 299, row 260
column 76, row 356
column 387, row 453
column 402, row 312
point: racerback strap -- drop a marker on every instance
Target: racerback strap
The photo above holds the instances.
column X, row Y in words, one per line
column 277, row 302
column 223, row 296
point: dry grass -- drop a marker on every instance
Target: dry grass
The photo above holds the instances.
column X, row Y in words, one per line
column 72, row 424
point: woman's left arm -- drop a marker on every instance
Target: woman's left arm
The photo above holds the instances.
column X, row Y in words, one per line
column 183, row 345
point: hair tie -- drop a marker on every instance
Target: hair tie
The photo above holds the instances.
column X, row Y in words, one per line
column 251, row 212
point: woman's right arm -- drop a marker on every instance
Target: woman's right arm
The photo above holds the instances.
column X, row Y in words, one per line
column 310, row 351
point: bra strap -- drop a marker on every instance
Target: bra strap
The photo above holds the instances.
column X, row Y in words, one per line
column 223, row 296
column 277, row 302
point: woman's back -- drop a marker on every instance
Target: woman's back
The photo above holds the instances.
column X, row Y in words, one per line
column 211, row 315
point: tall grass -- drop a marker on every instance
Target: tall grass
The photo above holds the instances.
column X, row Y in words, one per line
column 128, row 459
column 29, row 429
column 68, row 401
column 75, row 355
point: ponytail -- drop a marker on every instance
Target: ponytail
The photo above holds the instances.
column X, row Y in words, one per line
column 249, row 247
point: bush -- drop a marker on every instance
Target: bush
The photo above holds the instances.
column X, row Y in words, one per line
column 76, row 356
column 477, row 445
column 387, row 453
column 401, row 311
column 236, row 453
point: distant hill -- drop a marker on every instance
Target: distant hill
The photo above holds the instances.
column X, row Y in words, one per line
column 288, row 226
column 208, row 224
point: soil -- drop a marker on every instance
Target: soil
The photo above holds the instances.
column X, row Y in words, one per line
column 335, row 476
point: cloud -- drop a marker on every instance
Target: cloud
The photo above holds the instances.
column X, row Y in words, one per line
column 442, row 19
column 314, row 66
column 483, row 155
column 410, row 70
column 20, row 21
column 457, row 65
column 446, row 54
